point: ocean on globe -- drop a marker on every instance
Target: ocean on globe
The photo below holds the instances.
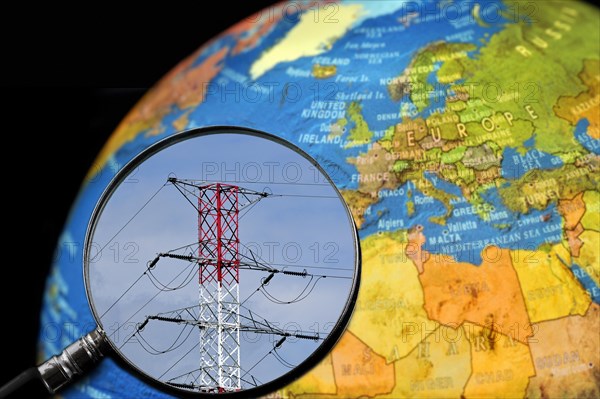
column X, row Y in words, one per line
column 465, row 138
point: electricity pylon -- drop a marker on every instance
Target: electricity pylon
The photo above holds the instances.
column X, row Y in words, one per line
column 218, row 314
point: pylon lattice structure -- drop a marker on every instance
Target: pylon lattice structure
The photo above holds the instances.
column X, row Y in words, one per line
column 219, row 262
column 218, row 213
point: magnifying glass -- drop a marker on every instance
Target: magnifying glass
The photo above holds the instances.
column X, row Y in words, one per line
column 218, row 261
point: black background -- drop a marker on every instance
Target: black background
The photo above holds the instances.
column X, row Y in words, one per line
column 65, row 83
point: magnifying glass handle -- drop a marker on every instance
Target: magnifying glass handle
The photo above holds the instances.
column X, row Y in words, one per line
column 27, row 384
column 61, row 369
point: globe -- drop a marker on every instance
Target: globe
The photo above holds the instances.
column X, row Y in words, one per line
column 465, row 138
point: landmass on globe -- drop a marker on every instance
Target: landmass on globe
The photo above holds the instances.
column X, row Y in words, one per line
column 465, row 137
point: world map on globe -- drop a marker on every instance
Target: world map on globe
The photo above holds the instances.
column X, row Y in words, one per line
column 465, row 137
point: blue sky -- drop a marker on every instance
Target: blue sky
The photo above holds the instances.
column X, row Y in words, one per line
column 308, row 228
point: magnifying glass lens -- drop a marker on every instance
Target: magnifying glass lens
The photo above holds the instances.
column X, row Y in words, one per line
column 223, row 261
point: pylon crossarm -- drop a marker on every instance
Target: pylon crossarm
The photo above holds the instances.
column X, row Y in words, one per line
column 184, row 186
column 255, row 328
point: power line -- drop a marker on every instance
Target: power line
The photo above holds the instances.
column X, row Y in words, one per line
column 143, row 306
column 300, row 297
column 306, row 196
column 122, row 295
column 188, row 279
column 148, row 269
column 185, row 374
column 171, row 348
column 310, row 266
column 185, row 196
column 256, row 364
column 180, row 359
column 194, row 384
column 282, row 360
column 130, row 220
column 277, row 345
column 304, row 334
column 184, row 246
column 256, row 182
column 248, row 210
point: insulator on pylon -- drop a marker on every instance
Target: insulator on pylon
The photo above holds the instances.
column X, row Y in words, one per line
column 280, row 342
column 269, row 277
column 171, row 319
column 290, row 273
column 176, row 256
column 311, row 337
column 141, row 326
column 153, row 262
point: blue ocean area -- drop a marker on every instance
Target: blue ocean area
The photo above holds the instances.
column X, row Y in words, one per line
column 465, row 233
column 515, row 165
column 390, row 213
column 420, row 35
column 499, row 226
column 280, row 103
column 586, row 281
column 589, row 143
column 443, row 185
